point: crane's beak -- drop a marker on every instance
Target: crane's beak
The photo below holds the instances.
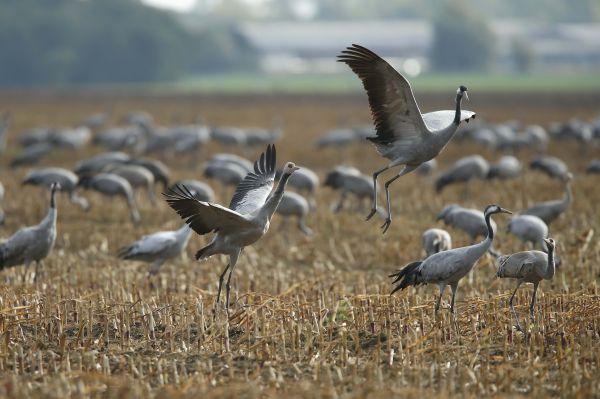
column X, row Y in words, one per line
column 547, row 241
column 502, row 210
column 295, row 168
column 466, row 95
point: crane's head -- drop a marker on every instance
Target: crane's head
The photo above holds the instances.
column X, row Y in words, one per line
column 550, row 243
column 492, row 209
column 462, row 91
column 290, row 168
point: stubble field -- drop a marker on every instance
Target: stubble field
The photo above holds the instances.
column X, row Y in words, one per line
column 311, row 317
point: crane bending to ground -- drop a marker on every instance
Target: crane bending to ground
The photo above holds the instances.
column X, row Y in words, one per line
column 404, row 135
column 245, row 221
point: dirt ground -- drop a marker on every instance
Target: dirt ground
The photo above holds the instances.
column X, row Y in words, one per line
column 311, row 317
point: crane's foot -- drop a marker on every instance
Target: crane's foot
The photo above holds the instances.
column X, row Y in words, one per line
column 373, row 212
column 386, row 225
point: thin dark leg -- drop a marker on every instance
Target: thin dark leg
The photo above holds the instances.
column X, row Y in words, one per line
column 512, row 308
column 374, row 203
column 340, row 203
column 216, row 308
column 533, row 298
column 453, row 286
column 439, row 301
column 406, row 169
column 232, row 262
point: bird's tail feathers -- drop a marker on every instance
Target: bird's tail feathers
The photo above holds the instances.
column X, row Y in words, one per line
column 407, row 276
column 205, row 252
column 125, row 252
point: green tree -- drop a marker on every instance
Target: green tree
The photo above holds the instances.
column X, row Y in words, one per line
column 462, row 40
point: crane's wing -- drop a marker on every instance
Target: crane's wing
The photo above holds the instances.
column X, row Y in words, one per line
column 440, row 119
column 12, row 251
column 517, row 265
column 204, row 217
column 252, row 192
column 395, row 112
column 149, row 245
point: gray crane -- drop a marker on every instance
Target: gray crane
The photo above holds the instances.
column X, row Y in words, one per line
column 245, row 221
column 447, row 267
column 404, row 135
column 159, row 170
column 226, row 135
column 201, row 190
column 529, row 229
column 549, row 211
column 232, row 158
column 31, row 154
column 507, row 167
column 96, row 164
column 427, row 168
column 349, row 180
column 157, row 248
column 137, row 176
column 33, row 243
column 463, row 171
column 110, row 185
column 435, row 240
column 71, row 139
column 471, row 221
column 551, row 166
column 527, row 267
column 593, row 166
column 305, row 181
column 68, row 180
column 4, row 126
column 228, row 173
column 294, row 205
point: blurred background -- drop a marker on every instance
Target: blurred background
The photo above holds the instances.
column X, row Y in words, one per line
column 290, row 45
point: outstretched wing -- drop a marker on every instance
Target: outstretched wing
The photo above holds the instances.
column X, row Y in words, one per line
column 252, row 192
column 204, row 217
column 395, row 112
column 440, row 119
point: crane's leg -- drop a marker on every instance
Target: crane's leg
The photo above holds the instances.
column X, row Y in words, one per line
column 155, row 267
column 406, row 169
column 340, row 204
column 151, row 194
column 374, row 203
column 439, row 300
column 217, row 300
column 512, row 308
column 232, row 261
column 36, row 271
column 454, row 286
column 533, row 298
column 303, row 227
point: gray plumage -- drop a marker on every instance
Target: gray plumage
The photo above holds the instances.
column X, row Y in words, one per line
column 33, row 243
column 549, row 211
column 121, row 137
column 229, row 174
column 404, row 135
column 527, row 267
column 593, row 166
column 305, row 181
column 110, row 185
column 427, row 168
column 447, row 267
column 71, row 139
column 245, row 221
column 36, row 135
column 294, row 205
column 228, row 135
column 95, row 121
column 31, row 155
column 349, row 181
column 4, row 127
column 339, row 137
column 201, row 190
column 137, row 176
column 159, row 170
column 463, row 171
column 507, row 167
column 157, row 248
column 471, row 221
column 68, row 182
column 529, row 229
column 96, row 164
column 551, row 166
column 435, row 240
column 234, row 159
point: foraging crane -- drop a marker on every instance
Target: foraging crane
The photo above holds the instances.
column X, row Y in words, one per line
column 549, row 211
column 436, row 240
column 31, row 155
column 469, row 220
column 68, row 180
column 72, row 139
column 158, row 247
column 551, row 166
column 33, row 243
column 91, row 166
column 528, row 228
column 137, row 176
column 464, row 170
column 245, row 221
column 120, row 137
column 110, row 185
column 305, row 180
column 528, row 267
column 201, row 191
column 349, row 180
column 404, row 135
column 229, row 174
column 228, row 135
column 507, row 167
column 293, row 204
column 594, row 166
column 159, row 170
column 447, row 267
column 232, row 158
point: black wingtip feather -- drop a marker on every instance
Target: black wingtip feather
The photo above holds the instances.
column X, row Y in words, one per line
column 407, row 276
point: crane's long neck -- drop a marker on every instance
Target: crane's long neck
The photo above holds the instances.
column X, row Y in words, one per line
column 568, row 196
column 275, row 198
column 457, row 113
column 550, row 266
column 50, row 218
column 481, row 248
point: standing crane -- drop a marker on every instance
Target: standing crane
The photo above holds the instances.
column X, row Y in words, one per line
column 527, row 267
column 447, row 267
column 245, row 221
column 404, row 135
column 549, row 211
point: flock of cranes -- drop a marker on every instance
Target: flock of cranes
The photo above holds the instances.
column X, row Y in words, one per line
column 403, row 135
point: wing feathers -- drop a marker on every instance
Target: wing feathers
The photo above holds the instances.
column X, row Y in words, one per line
column 252, row 192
